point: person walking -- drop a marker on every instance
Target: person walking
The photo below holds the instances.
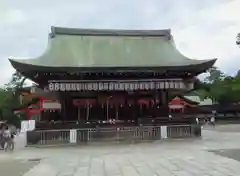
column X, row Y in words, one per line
column 8, row 139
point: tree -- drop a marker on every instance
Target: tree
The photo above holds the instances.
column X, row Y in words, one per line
column 221, row 88
column 214, row 75
column 17, row 81
column 238, row 73
column 7, row 103
column 238, row 39
column 4, row 96
column 10, row 100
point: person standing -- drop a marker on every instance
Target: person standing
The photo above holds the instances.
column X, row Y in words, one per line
column 6, row 136
column 197, row 120
column 212, row 120
column 206, row 121
column 7, row 133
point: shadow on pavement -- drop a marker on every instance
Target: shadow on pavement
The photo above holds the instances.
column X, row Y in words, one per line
column 10, row 167
column 234, row 128
column 229, row 153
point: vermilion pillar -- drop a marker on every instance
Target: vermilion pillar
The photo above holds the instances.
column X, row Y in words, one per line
column 28, row 114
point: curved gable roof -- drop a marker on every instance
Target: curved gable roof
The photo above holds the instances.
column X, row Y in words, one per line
column 93, row 48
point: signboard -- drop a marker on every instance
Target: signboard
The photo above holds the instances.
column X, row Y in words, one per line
column 27, row 125
column 51, row 105
column 117, row 86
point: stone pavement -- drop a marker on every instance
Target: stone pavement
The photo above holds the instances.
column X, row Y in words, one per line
column 10, row 167
column 166, row 158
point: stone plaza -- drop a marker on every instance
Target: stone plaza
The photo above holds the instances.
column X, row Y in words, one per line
column 216, row 154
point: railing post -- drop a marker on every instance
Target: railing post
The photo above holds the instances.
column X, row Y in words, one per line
column 164, row 132
column 196, row 130
column 21, row 140
column 118, row 138
column 73, row 136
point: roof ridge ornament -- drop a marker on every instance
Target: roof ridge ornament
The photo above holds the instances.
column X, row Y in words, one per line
column 109, row 32
column 52, row 33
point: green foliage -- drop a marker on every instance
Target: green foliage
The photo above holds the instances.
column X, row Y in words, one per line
column 221, row 88
column 9, row 100
column 214, row 75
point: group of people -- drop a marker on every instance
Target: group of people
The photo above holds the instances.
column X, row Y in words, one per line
column 207, row 120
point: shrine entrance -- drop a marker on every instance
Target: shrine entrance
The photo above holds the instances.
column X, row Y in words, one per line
column 119, row 106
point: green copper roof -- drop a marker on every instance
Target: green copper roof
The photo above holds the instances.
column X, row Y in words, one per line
column 110, row 48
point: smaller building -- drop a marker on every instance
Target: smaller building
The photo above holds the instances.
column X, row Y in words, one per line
column 34, row 106
column 179, row 103
column 201, row 102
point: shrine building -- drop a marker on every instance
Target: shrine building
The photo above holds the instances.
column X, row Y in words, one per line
column 99, row 74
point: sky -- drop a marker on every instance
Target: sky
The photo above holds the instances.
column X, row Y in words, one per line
column 203, row 29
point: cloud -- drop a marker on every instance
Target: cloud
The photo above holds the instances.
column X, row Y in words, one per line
column 213, row 34
column 201, row 29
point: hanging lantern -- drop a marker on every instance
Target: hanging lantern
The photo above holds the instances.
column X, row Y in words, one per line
column 144, row 102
